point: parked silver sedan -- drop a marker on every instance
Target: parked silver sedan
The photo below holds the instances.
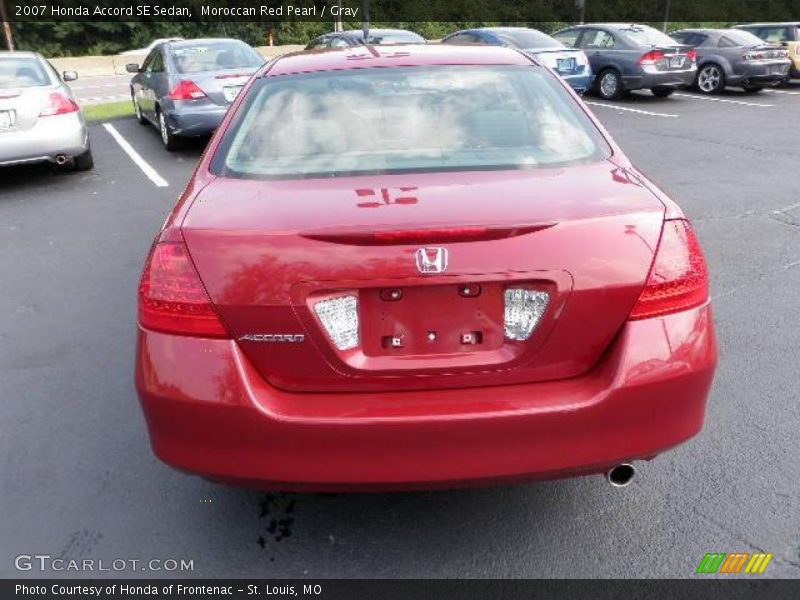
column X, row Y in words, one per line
column 629, row 57
column 185, row 88
column 40, row 121
column 734, row 57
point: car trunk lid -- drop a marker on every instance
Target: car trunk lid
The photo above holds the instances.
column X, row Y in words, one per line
column 269, row 252
column 221, row 86
column 20, row 107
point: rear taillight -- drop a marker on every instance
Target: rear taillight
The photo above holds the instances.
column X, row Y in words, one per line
column 172, row 298
column 679, row 278
column 58, row 104
column 186, row 90
column 651, row 57
column 691, row 55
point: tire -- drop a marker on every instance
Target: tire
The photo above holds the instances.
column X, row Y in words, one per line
column 138, row 112
column 171, row 141
column 752, row 89
column 609, row 86
column 662, row 91
column 710, row 79
column 83, row 162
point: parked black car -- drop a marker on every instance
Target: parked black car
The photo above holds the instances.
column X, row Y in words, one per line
column 628, row 57
column 734, row 57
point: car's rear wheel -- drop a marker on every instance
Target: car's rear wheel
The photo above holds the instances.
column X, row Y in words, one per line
column 83, row 162
column 609, row 85
column 138, row 112
column 710, row 79
column 662, row 91
column 171, row 141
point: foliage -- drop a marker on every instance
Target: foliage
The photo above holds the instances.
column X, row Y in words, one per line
column 70, row 38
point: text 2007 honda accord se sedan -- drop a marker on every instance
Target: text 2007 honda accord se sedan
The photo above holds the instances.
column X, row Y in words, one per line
column 416, row 267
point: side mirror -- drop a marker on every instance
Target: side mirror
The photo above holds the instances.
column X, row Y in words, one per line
column 132, row 67
column 69, row 75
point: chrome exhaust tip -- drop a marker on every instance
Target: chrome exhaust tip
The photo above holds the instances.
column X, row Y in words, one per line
column 61, row 159
column 621, row 475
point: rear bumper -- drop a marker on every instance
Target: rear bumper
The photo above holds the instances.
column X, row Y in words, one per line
column 49, row 137
column 648, row 81
column 195, row 119
column 580, row 83
column 210, row 413
column 762, row 73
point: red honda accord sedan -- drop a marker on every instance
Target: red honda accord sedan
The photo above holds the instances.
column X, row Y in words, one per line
column 418, row 267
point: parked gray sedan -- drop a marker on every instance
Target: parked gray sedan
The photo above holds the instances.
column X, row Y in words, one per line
column 40, row 121
column 734, row 57
column 185, row 87
column 631, row 57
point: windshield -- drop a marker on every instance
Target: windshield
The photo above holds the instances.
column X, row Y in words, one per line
column 214, row 56
column 528, row 38
column 405, row 120
column 647, row 36
column 22, row 72
column 743, row 38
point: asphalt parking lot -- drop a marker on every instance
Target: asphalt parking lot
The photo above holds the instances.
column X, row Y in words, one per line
column 79, row 480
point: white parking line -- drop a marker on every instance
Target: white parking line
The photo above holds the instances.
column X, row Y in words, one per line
column 725, row 100
column 783, row 92
column 633, row 110
column 151, row 173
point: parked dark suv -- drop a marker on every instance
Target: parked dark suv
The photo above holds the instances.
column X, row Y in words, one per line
column 631, row 57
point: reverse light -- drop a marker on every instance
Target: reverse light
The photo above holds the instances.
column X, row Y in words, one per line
column 172, row 298
column 58, row 104
column 523, row 311
column 679, row 277
column 339, row 317
column 186, row 90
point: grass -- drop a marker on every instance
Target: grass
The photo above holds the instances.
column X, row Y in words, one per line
column 111, row 110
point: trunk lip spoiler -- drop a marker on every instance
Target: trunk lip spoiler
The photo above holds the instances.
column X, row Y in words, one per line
column 400, row 235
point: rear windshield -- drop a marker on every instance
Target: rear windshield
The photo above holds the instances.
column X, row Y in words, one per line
column 647, row 36
column 393, row 37
column 214, row 56
column 528, row 38
column 742, row 38
column 406, row 120
column 22, row 72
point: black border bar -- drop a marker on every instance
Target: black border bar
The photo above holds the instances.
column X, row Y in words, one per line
column 424, row 589
column 501, row 11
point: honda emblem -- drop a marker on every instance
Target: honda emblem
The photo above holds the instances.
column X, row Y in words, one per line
column 431, row 260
